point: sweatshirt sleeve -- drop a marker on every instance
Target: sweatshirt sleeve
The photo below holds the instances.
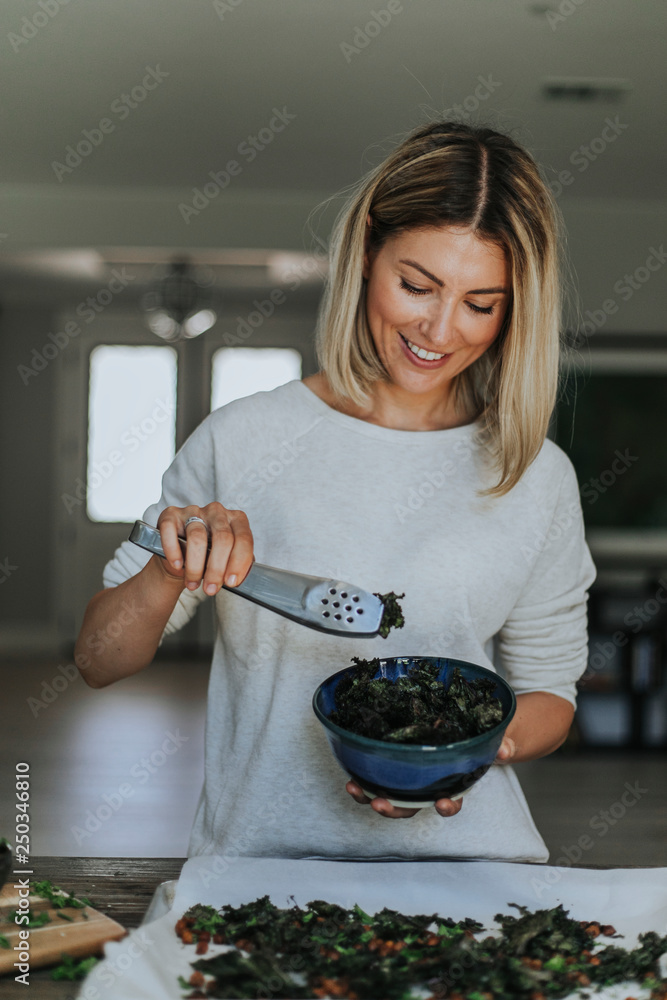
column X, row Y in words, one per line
column 543, row 645
column 190, row 479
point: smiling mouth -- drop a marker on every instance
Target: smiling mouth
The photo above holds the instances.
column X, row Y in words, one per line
column 420, row 352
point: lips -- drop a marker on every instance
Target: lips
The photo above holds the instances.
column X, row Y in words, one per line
column 420, row 362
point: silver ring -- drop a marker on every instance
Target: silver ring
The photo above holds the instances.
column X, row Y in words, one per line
column 199, row 519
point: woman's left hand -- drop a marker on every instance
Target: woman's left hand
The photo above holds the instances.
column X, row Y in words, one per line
column 445, row 807
column 506, row 751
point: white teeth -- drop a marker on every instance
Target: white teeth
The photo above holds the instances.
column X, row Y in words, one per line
column 421, row 353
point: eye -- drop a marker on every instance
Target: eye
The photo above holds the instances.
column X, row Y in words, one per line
column 478, row 309
column 412, row 290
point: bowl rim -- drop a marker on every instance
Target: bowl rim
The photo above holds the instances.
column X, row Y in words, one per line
column 366, row 741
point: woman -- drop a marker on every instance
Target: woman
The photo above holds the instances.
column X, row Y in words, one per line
column 415, row 460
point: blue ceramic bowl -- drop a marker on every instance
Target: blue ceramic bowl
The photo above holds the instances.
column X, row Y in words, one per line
column 412, row 774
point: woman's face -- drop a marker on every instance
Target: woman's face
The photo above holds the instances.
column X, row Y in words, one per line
column 437, row 290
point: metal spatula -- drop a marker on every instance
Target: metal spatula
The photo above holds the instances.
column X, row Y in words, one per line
column 326, row 605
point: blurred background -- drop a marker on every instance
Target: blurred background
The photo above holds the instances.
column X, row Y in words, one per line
column 169, row 178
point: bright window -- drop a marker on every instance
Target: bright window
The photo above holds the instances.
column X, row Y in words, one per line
column 131, row 429
column 241, row 371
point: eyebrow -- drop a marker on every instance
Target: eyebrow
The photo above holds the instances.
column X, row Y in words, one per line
column 473, row 291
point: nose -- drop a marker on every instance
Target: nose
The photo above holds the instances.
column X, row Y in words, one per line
column 438, row 326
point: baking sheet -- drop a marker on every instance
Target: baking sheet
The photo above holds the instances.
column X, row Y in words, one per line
column 146, row 965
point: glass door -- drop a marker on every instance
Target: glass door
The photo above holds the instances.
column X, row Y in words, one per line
column 126, row 404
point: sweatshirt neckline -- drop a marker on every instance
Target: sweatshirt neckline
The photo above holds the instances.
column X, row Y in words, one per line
column 376, row 430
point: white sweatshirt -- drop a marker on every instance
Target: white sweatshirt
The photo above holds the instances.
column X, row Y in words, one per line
column 334, row 496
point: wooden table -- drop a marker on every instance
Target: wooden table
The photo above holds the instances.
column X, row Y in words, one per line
column 120, row 887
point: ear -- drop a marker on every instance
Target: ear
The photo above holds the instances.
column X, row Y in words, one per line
column 367, row 262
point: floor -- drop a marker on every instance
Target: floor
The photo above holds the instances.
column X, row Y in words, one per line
column 117, row 772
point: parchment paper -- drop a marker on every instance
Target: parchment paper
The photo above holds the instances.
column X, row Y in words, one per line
column 145, row 966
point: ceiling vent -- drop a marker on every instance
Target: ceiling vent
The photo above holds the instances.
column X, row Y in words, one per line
column 585, row 89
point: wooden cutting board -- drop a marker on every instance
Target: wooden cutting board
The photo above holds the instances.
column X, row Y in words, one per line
column 77, row 938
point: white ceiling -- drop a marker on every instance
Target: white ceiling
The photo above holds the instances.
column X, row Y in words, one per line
column 230, row 63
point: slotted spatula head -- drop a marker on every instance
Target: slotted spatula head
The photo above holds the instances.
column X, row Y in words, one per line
column 326, row 605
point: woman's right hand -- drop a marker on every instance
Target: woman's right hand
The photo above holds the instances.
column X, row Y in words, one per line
column 231, row 554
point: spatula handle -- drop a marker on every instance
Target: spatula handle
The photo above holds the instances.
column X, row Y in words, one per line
column 279, row 590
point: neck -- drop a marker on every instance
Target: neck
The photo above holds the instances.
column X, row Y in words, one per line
column 394, row 407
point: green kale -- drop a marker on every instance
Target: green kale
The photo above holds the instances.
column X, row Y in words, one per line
column 535, row 934
column 326, row 950
column 238, row 976
column 392, row 616
column 205, row 918
column 416, row 708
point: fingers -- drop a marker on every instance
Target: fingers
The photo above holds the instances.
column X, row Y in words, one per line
column 356, row 793
column 380, row 805
column 385, row 808
column 507, row 751
column 445, row 807
column 231, row 554
column 170, row 523
column 448, row 807
column 219, row 551
column 196, row 551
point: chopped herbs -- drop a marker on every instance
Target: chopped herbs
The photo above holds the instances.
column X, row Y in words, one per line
column 71, row 969
column 326, row 950
column 58, row 897
column 416, row 708
column 4, row 943
column 393, row 613
column 34, row 919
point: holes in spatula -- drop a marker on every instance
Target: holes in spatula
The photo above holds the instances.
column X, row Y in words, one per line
column 336, row 604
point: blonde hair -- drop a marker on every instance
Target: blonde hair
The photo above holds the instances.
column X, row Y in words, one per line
column 450, row 173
